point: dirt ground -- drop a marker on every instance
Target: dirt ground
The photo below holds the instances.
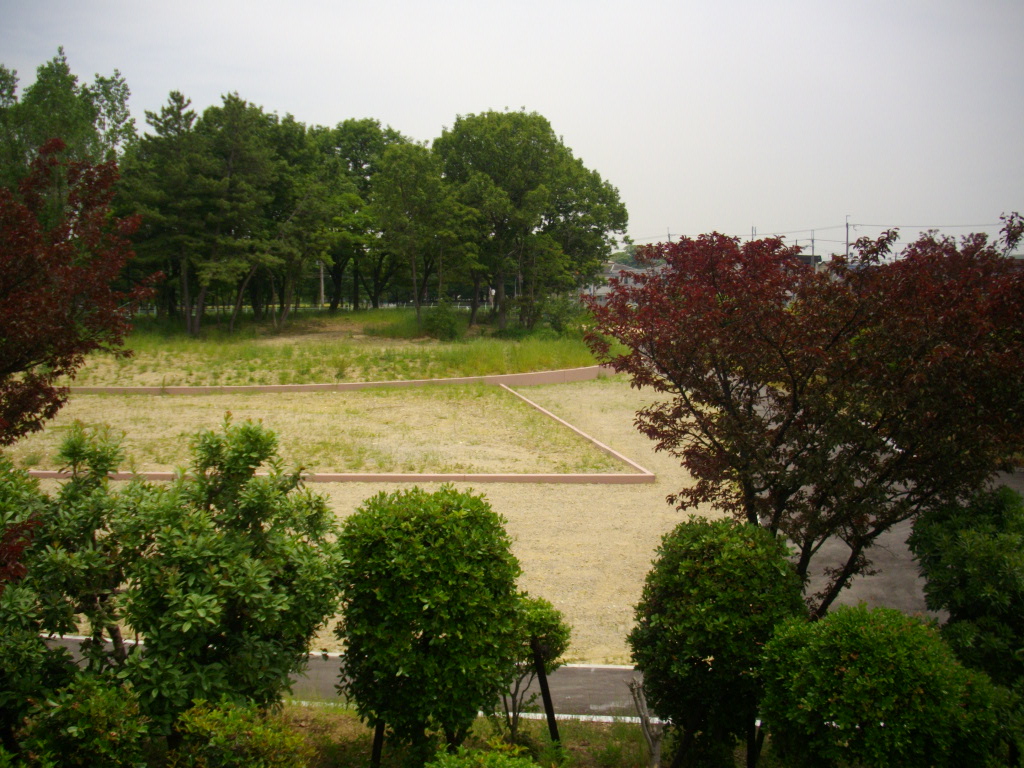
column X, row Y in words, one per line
column 586, row 548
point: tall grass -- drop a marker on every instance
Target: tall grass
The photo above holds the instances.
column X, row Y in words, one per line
column 376, row 345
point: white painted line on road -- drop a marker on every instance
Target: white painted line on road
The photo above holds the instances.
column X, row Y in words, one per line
column 524, row 715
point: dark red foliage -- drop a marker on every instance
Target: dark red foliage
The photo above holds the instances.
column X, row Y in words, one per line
column 61, row 253
column 14, row 540
column 829, row 403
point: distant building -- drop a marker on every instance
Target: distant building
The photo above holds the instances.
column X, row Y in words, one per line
column 602, row 287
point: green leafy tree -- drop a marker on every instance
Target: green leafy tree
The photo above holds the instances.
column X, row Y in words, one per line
column 537, row 622
column 236, row 573
column 408, row 197
column 429, row 613
column 826, row 404
column 237, row 201
column 78, row 558
column 161, row 182
column 28, row 667
column 225, row 573
column 92, row 120
column 205, row 185
column 873, row 687
column 972, row 557
column 359, row 144
column 240, row 172
column 310, row 192
column 544, row 222
column 710, row 603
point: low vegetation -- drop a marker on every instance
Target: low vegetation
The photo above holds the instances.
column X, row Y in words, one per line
column 453, row 429
column 320, row 348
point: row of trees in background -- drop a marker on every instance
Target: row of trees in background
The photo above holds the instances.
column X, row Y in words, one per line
column 243, row 208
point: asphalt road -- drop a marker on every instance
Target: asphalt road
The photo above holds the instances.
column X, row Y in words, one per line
column 575, row 689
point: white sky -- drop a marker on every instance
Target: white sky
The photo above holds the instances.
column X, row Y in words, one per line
column 717, row 115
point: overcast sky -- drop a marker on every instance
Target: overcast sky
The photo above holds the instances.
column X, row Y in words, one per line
column 718, row 115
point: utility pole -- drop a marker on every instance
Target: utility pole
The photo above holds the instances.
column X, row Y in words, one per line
column 847, row 237
column 812, row 246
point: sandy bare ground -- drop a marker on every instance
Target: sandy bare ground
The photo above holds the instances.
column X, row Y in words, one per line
column 586, row 548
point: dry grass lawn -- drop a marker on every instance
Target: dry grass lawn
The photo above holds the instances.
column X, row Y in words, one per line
column 452, row 429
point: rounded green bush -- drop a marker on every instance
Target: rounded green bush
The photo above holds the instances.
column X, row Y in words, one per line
column 873, row 687
column 429, row 611
column 712, row 599
column 444, row 322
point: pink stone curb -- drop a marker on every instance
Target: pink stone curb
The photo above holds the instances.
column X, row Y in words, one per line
column 385, row 477
column 563, row 376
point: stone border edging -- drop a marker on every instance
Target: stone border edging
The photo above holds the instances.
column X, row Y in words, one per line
column 640, row 475
column 561, row 376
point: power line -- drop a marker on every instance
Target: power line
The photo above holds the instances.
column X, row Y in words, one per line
column 782, row 233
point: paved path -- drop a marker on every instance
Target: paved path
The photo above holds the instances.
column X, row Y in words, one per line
column 575, row 689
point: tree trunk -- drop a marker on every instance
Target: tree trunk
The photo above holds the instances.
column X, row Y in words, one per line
column 337, row 274
column 186, row 299
column 378, row 744
column 474, row 303
column 417, row 298
column 500, row 302
column 286, row 296
column 194, row 312
column 653, row 734
column 355, row 287
column 240, row 296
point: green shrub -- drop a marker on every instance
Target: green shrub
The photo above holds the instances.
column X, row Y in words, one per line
column 535, row 618
column 874, row 688
column 237, row 572
column 712, row 599
column 233, row 736
column 92, row 722
column 972, row 557
column 477, row 758
column 444, row 322
column 28, row 668
column 973, row 560
column 565, row 314
column 429, row 608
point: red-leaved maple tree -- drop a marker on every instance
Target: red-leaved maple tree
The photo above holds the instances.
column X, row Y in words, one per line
column 828, row 403
column 61, row 253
